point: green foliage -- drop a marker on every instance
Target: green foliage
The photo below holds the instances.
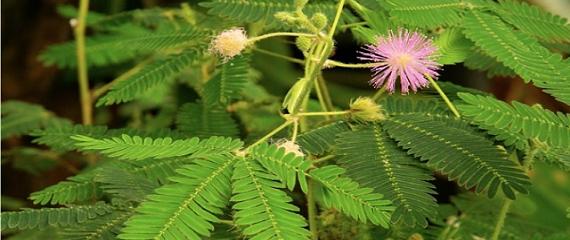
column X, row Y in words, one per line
column 20, row 118
column 148, row 76
column 287, row 166
column 188, row 206
column 228, row 84
column 531, row 122
column 471, row 160
column 137, row 148
column 427, row 13
column 60, row 217
column 345, row 195
column 375, row 161
column 320, row 140
column 101, row 228
column 534, row 21
column 453, row 47
column 249, row 11
column 202, row 120
column 123, row 184
column 110, row 49
column 262, row 209
column 519, row 52
column 78, row 188
column 480, row 61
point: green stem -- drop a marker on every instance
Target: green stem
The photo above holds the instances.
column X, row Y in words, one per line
column 443, row 96
column 278, row 34
column 336, row 18
column 312, row 210
column 378, row 94
column 353, row 65
column 275, row 131
column 501, row 219
column 85, row 97
column 295, row 130
column 325, row 91
column 96, row 93
column 305, row 114
column 321, row 99
column 290, row 59
column 323, row 159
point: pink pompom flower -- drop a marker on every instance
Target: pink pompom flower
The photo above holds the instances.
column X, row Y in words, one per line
column 407, row 55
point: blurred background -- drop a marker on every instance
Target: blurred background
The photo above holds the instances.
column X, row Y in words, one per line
column 29, row 26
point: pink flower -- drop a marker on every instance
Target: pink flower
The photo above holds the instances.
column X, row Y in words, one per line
column 405, row 55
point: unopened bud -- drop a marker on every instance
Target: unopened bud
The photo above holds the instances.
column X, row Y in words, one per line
column 286, row 17
column 304, row 43
column 366, row 110
column 319, row 20
column 300, row 3
column 73, row 22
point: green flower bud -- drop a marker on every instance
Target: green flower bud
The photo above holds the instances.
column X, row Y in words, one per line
column 366, row 110
column 304, row 43
column 319, row 20
column 300, row 3
column 286, row 17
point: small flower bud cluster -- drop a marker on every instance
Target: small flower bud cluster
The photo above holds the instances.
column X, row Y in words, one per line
column 290, row 147
column 366, row 110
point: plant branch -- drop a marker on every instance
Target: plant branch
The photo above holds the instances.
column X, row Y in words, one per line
column 278, row 34
column 84, row 94
column 275, row 131
column 306, row 114
column 443, row 96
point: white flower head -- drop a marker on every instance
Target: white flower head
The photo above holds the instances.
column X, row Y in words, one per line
column 229, row 43
column 290, row 147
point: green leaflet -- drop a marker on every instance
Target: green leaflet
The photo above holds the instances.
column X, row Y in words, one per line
column 345, row 195
column 521, row 53
column 77, row 188
column 452, row 46
column 426, row 13
column 188, row 207
column 202, row 120
column 262, row 209
column 228, row 84
column 21, row 118
column 101, row 228
column 58, row 217
column 148, row 76
column 319, row 140
column 287, row 166
column 138, row 148
column 374, row 160
column 471, row 160
column 531, row 122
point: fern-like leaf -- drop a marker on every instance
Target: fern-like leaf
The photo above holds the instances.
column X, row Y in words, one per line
column 202, row 120
column 78, row 188
column 118, row 181
column 320, row 140
column 532, row 122
column 137, row 148
column 149, row 76
column 482, row 62
column 426, row 13
column 452, row 46
column 105, row 50
column 287, row 166
column 262, row 209
column 519, row 52
column 188, row 207
column 374, row 160
column 535, row 21
column 345, row 195
column 104, row 227
column 471, row 160
column 21, row 118
column 228, row 83
column 57, row 217
column 248, row 11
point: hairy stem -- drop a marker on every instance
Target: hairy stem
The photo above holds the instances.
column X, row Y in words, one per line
column 443, row 96
column 312, row 210
column 353, row 65
column 325, row 91
column 378, row 94
column 305, row 114
column 84, row 94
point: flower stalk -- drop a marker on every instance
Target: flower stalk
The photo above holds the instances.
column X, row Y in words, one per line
column 84, row 93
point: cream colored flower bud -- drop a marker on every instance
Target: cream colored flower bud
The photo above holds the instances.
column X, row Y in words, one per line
column 290, row 147
column 229, row 43
column 365, row 109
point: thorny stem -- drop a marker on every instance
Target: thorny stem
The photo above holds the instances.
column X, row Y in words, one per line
column 529, row 159
column 278, row 34
column 85, row 98
column 443, row 96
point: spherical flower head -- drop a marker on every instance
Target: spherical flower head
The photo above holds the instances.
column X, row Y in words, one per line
column 229, row 43
column 364, row 109
column 408, row 56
